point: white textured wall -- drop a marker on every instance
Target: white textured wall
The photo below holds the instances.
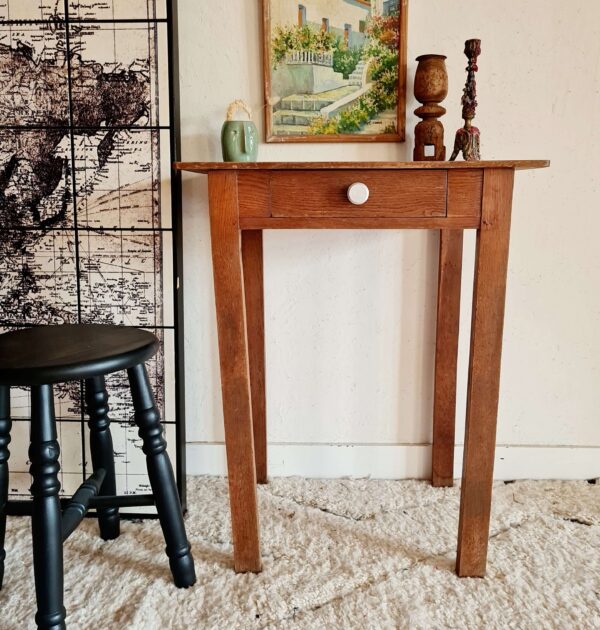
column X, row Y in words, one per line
column 350, row 315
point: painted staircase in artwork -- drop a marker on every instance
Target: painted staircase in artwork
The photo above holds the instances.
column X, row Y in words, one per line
column 357, row 77
column 301, row 109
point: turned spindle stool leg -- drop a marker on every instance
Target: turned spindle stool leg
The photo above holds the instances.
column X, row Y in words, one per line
column 101, row 446
column 46, row 522
column 161, row 477
column 4, row 454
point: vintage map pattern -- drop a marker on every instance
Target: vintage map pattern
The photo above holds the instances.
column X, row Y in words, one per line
column 85, row 202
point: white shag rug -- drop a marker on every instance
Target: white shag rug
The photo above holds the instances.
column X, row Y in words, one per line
column 337, row 554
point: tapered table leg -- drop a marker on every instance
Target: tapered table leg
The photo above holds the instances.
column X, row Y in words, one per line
column 235, row 376
column 252, row 257
column 484, row 372
column 446, row 354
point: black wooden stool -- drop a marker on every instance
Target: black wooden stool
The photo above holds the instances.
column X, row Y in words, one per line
column 38, row 358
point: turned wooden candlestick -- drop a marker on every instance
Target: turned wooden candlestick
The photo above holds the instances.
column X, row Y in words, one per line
column 431, row 88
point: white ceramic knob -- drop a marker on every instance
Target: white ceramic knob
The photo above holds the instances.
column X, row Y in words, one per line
column 358, row 193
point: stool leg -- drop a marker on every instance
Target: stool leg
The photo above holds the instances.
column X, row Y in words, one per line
column 46, row 522
column 4, row 455
column 101, row 446
column 161, row 477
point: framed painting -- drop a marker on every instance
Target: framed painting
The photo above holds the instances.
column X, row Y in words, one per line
column 335, row 70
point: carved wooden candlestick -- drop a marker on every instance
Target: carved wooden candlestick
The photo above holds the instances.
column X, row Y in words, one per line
column 431, row 88
column 467, row 137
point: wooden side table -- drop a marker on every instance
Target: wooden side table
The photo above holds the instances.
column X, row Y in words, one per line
column 245, row 199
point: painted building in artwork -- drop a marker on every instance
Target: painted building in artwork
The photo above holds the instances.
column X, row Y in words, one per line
column 345, row 18
column 389, row 6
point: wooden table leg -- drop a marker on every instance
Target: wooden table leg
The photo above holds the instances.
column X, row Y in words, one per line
column 484, row 372
column 446, row 354
column 252, row 257
column 235, row 378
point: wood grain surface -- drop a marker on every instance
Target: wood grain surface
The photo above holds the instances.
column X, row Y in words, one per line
column 254, row 193
column 252, row 258
column 324, row 194
column 235, row 377
column 360, row 223
column 484, row 373
column 446, row 355
column 205, row 167
column 465, row 192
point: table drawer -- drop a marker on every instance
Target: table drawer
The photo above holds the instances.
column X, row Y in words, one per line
column 418, row 193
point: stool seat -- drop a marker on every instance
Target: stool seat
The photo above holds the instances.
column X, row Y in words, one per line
column 54, row 354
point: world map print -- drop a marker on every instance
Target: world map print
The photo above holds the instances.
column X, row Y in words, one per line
column 86, row 232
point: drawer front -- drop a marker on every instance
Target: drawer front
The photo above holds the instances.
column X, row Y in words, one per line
column 418, row 193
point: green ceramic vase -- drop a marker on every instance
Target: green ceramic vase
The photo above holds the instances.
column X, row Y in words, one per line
column 239, row 141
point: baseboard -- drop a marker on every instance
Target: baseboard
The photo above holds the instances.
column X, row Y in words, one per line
column 404, row 461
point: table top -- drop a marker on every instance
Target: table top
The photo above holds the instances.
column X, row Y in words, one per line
column 206, row 167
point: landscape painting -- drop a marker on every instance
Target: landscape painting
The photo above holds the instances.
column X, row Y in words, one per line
column 335, row 70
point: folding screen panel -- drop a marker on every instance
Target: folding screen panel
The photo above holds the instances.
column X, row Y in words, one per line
column 88, row 228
